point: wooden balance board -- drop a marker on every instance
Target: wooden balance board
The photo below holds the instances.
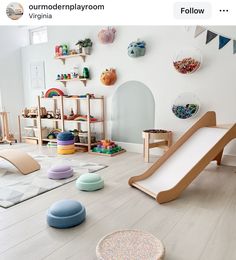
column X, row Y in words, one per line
column 21, row 160
column 183, row 162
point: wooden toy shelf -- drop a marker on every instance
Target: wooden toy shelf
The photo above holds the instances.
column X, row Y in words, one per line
column 59, row 103
column 64, row 81
column 63, row 58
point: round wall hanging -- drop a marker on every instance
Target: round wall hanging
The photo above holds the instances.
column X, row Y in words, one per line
column 108, row 77
column 107, row 36
column 187, row 61
column 186, row 105
column 137, row 49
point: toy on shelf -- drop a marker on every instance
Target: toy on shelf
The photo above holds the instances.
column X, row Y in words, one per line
column 108, row 77
column 84, row 118
column 52, row 92
column 33, row 112
column 75, row 73
column 187, row 61
column 86, row 74
column 75, row 133
column 53, row 134
column 107, row 147
column 72, row 115
column 52, row 145
column 137, row 49
column 83, row 137
column 107, row 35
column 61, row 50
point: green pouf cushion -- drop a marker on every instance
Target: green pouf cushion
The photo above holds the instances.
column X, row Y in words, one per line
column 89, row 182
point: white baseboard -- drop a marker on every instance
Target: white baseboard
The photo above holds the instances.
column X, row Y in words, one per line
column 138, row 148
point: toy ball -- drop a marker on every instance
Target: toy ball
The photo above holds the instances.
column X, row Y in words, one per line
column 137, row 49
column 107, row 36
column 108, row 77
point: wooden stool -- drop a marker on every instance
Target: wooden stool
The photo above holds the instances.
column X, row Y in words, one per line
column 130, row 244
column 156, row 138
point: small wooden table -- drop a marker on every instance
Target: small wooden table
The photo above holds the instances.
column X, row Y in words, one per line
column 156, row 138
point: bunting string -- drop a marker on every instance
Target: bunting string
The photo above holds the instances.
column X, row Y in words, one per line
column 210, row 35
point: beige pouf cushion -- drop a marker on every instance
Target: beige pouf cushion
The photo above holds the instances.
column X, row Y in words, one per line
column 130, row 245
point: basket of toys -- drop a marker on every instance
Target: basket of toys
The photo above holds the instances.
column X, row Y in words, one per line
column 83, row 137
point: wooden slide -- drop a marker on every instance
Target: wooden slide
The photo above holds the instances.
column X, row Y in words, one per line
column 182, row 163
column 21, row 160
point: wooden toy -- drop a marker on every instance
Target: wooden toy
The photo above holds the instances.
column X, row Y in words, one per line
column 52, row 92
column 107, row 147
column 170, row 175
column 33, row 112
column 156, row 138
column 108, row 77
column 21, row 160
column 50, row 114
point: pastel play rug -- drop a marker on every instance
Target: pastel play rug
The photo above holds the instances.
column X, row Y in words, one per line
column 16, row 188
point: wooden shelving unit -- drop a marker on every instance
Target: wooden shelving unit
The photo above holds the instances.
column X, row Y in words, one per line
column 58, row 103
column 63, row 58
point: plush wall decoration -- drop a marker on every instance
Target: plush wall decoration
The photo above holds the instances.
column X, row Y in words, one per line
column 106, row 36
column 108, row 77
column 137, row 49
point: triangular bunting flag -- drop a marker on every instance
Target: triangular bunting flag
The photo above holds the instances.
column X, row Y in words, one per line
column 199, row 30
column 210, row 36
column 234, row 47
column 223, row 41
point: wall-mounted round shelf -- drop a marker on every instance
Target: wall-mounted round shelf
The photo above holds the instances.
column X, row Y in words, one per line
column 186, row 105
column 187, row 60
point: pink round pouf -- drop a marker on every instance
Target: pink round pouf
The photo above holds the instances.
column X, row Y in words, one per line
column 130, row 244
column 58, row 172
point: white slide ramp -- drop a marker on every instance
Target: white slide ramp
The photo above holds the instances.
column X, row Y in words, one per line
column 183, row 160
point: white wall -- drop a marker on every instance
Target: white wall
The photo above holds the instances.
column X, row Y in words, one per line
column 11, row 87
column 214, row 83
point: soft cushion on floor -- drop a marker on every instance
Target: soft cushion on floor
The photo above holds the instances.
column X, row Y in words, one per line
column 65, row 136
column 58, row 172
column 66, row 147
column 89, row 182
column 59, row 142
column 65, row 214
column 60, row 151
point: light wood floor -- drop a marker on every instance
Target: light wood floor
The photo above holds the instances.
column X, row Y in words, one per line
column 201, row 224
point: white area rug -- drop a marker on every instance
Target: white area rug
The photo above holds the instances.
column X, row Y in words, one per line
column 15, row 187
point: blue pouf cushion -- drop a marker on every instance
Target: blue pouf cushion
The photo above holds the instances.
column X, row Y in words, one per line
column 65, row 214
column 89, row 182
column 65, row 136
column 58, row 172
